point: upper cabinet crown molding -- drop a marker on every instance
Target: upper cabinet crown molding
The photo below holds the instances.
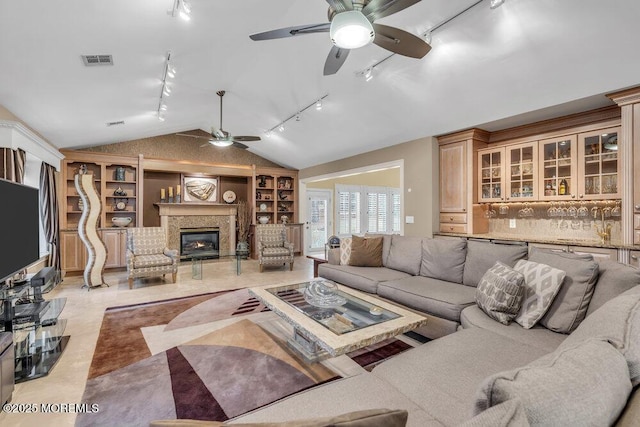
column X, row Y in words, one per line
column 626, row 97
column 601, row 117
column 469, row 134
column 15, row 135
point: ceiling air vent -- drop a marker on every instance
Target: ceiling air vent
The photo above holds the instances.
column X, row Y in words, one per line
column 91, row 60
column 119, row 122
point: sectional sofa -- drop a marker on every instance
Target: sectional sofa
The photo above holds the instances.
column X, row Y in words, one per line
column 579, row 365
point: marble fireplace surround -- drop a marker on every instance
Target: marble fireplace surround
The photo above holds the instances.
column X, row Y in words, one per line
column 174, row 216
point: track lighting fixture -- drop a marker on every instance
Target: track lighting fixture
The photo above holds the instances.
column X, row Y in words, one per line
column 368, row 74
column 165, row 89
column 496, row 3
column 297, row 116
column 181, row 8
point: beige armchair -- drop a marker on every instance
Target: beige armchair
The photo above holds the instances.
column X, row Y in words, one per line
column 148, row 255
column 272, row 245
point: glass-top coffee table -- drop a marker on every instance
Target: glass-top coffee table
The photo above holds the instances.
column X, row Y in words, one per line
column 356, row 320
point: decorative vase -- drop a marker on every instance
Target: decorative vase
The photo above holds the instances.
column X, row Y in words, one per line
column 120, row 173
column 263, row 219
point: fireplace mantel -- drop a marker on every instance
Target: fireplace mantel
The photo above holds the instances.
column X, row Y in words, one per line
column 174, row 216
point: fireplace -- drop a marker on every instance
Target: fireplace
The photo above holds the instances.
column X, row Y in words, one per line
column 203, row 243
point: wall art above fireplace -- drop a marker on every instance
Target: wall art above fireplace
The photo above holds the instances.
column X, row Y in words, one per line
column 200, row 189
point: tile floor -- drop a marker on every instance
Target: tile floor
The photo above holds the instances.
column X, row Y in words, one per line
column 84, row 310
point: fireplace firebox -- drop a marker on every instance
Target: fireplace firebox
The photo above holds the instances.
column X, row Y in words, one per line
column 202, row 243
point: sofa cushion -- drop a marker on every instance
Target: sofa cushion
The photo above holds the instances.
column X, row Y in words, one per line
column 444, row 375
column 405, row 254
column 363, row 278
column 481, row 256
column 368, row 418
column 542, row 284
column 345, row 250
column 614, row 278
column 357, row 393
column 570, row 304
column 142, row 261
column 538, row 336
column 366, row 252
column 618, row 322
column 506, row 414
column 499, row 293
column 433, row 296
column 587, row 384
column 443, row 259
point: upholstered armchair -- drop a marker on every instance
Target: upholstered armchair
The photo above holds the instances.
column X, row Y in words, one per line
column 272, row 245
column 148, row 255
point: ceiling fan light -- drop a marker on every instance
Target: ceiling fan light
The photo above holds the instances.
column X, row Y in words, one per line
column 351, row 30
column 221, row 142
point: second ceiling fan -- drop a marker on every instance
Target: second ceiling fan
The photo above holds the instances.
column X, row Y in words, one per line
column 222, row 138
column 351, row 25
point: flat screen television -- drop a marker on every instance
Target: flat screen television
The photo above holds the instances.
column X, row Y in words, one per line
column 19, row 227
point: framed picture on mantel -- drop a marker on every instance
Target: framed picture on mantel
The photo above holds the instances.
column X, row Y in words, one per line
column 200, row 189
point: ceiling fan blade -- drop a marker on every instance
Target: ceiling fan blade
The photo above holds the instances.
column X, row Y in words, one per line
column 377, row 9
column 291, row 31
column 340, row 5
column 246, row 138
column 194, row 136
column 239, row 145
column 400, row 42
column 335, row 59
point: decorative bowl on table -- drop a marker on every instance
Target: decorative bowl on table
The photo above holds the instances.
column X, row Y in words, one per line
column 324, row 294
column 121, row 221
column 263, row 219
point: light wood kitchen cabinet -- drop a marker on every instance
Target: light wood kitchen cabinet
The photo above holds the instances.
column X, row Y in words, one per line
column 598, row 172
column 116, row 242
column 558, row 160
column 453, row 177
column 73, row 254
column 508, row 173
column 458, row 199
column 491, row 181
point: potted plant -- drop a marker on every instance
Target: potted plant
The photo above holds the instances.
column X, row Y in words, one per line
column 244, row 223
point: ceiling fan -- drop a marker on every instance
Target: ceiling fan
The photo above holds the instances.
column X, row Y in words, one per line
column 222, row 138
column 351, row 25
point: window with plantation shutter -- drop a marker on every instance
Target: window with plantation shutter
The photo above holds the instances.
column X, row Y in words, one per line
column 380, row 214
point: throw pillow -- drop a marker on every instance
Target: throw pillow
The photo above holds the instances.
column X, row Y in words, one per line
column 405, row 254
column 614, row 278
column 584, row 385
column 345, row 250
column 542, row 284
column 482, row 255
column 499, row 293
column 366, row 252
column 443, row 259
column 570, row 305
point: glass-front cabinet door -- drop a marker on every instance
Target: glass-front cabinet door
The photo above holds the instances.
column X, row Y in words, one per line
column 557, row 162
column 522, row 171
column 491, row 175
column 598, row 174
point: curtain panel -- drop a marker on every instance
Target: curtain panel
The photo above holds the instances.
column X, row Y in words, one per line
column 12, row 167
column 50, row 213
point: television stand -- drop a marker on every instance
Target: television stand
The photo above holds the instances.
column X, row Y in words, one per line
column 38, row 332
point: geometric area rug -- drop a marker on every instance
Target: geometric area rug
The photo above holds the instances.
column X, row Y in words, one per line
column 204, row 357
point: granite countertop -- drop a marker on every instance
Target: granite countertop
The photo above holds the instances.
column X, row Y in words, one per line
column 592, row 243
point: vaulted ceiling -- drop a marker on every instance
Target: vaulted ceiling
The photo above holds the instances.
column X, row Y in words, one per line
column 526, row 59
